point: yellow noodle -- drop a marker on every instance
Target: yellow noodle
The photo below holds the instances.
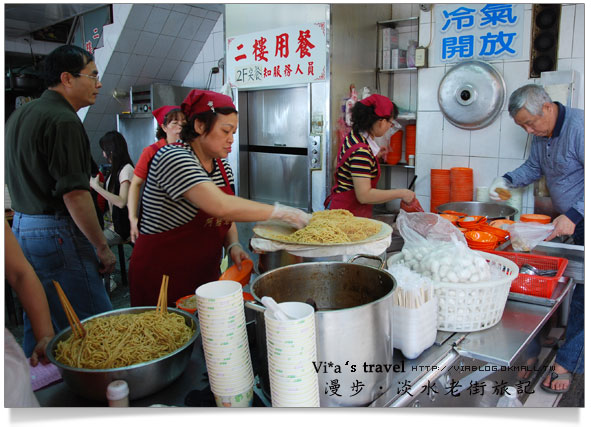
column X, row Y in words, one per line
column 334, row 226
column 124, row 340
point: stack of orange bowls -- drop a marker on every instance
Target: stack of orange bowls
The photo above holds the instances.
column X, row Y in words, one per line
column 395, row 153
column 411, row 140
column 542, row 219
column 501, row 235
column 439, row 188
column 462, row 185
column 478, row 240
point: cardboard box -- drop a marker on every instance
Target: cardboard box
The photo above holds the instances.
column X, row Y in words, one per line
column 398, row 58
column 389, row 38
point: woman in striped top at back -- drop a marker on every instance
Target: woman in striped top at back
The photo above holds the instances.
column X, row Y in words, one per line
column 189, row 207
column 358, row 169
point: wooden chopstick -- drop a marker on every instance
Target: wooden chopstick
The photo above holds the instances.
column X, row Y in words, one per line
column 75, row 324
column 162, row 306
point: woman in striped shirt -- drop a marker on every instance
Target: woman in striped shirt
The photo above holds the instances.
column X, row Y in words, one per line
column 189, row 207
column 358, row 169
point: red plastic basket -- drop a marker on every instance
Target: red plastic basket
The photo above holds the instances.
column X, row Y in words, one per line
column 538, row 286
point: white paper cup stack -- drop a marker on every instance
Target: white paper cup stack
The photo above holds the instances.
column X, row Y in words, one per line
column 222, row 322
column 482, row 194
column 291, row 349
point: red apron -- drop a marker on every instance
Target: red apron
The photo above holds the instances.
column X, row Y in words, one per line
column 190, row 255
column 347, row 199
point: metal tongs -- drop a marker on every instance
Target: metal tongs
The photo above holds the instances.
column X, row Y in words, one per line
column 77, row 328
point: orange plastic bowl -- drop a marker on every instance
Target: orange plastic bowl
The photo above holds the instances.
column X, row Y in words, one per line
column 481, row 246
column 241, row 276
column 542, row 219
column 247, row 296
column 471, row 221
column 501, row 223
column 452, row 218
column 501, row 234
column 460, row 214
column 480, row 236
column 181, row 302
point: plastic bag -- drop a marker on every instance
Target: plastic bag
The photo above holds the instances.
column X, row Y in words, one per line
column 420, row 228
column 413, row 206
column 414, row 329
column 435, row 248
column 414, row 314
column 527, row 235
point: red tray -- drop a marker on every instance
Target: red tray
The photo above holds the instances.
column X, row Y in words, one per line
column 539, row 286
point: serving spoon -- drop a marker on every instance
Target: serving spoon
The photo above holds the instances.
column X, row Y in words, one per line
column 533, row 271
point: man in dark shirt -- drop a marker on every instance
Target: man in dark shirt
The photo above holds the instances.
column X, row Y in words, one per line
column 47, row 171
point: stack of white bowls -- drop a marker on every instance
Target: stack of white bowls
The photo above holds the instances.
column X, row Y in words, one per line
column 291, row 351
column 220, row 308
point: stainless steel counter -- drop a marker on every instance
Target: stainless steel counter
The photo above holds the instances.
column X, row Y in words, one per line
column 493, row 348
column 489, row 350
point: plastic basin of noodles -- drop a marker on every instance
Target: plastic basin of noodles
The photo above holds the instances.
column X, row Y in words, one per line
column 143, row 378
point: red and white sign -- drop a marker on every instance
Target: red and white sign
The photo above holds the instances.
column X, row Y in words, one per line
column 278, row 57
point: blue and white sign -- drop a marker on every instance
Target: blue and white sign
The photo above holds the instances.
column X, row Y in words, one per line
column 478, row 31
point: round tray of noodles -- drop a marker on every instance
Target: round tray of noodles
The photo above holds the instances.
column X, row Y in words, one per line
column 336, row 227
column 145, row 377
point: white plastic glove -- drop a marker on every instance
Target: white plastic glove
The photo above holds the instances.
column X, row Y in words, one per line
column 499, row 182
column 293, row 216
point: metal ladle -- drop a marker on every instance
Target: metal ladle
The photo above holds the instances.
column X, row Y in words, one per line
column 533, row 271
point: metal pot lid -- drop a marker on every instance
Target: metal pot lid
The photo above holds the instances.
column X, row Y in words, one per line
column 471, row 94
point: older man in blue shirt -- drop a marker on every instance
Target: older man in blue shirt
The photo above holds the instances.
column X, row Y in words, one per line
column 558, row 153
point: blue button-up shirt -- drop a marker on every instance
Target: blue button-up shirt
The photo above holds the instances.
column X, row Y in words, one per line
column 561, row 158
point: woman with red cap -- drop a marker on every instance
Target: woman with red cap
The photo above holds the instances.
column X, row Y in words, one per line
column 170, row 120
column 358, row 169
column 189, row 207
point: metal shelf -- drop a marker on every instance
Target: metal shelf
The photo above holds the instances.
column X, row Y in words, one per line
column 408, row 115
column 396, row 70
column 402, row 22
column 399, row 165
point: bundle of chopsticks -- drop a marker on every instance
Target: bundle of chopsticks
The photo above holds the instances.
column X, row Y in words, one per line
column 162, row 306
column 413, row 297
column 412, row 290
column 77, row 328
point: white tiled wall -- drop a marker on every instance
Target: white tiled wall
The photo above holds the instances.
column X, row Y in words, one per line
column 501, row 146
column 212, row 51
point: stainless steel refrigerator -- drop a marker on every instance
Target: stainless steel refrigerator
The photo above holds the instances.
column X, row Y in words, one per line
column 139, row 126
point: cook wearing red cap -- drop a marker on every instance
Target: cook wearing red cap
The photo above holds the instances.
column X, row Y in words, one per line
column 189, row 207
column 170, row 120
column 201, row 101
column 358, row 168
column 382, row 106
column 161, row 112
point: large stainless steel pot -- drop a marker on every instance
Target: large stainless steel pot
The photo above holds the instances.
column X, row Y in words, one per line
column 271, row 260
column 490, row 210
column 143, row 378
column 353, row 325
